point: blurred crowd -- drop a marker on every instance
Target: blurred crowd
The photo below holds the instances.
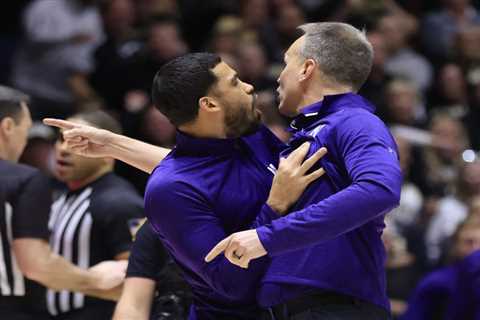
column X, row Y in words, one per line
column 77, row 55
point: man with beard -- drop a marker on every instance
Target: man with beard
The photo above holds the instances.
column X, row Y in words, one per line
column 216, row 181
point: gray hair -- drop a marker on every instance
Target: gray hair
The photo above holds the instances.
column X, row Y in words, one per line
column 342, row 52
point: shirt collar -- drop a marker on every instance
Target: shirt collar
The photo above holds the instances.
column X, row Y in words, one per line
column 204, row 146
column 329, row 104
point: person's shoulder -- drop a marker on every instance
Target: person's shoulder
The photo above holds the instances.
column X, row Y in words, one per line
column 17, row 171
column 177, row 166
column 163, row 179
column 471, row 263
column 112, row 181
column 146, row 233
column 356, row 118
column 176, row 186
column 115, row 190
column 439, row 280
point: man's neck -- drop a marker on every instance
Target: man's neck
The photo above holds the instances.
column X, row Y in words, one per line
column 313, row 96
column 197, row 130
column 4, row 154
column 79, row 184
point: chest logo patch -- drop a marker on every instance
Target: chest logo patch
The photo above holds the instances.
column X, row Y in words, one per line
column 315, row 131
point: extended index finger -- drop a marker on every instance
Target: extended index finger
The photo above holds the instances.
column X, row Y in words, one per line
column 219, row 248
column 59, row 123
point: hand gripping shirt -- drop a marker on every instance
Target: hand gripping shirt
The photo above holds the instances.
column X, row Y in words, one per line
column 331, row 239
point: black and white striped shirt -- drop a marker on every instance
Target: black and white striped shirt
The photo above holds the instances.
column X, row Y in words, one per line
column 25, row 200
column 88, row 226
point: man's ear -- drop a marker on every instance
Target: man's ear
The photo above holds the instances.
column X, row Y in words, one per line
column 208, row 104
column 6, row 126
column 308, row 69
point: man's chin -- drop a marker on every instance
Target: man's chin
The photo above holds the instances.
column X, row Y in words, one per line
column 284, row 110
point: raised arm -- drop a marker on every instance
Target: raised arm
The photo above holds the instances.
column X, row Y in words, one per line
column 91, row 142
column 369, row 156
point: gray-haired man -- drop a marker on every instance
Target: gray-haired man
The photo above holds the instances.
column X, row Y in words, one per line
column 327, row 254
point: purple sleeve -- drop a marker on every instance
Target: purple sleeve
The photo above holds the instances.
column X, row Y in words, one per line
column 190, row 229
column 265, row 216
column 368, row 153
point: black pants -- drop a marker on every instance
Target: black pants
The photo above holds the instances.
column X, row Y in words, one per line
column 21, row 315
column 327, row 307
column 342, row 312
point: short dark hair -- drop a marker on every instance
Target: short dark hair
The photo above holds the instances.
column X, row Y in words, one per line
column 11, row 102
column 180, row 83
column 100, row 119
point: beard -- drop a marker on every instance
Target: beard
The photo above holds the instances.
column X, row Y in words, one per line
column 242, row 121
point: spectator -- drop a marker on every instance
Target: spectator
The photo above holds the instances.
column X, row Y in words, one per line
column 440, row 28
column 444, row 159
column 121, row 43
column 403, row 104
column 435, row 292
column 374, row 87
column 451, row 95
column 164, row 42
column 403, row 61
column 453, row 209
column 401, row 272
column 228, row 32
column 283, row 31
column 253, row 67
column 60, row 37
column 411, row 201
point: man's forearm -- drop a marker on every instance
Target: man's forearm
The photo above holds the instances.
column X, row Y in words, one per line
column 57, row 273
column 136, row 300
column 327, row 219
column 136, row 153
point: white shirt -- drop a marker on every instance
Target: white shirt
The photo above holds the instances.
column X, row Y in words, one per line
column 47, row 58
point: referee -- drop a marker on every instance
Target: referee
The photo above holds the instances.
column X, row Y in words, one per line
column 90, row 220
column 26, row 260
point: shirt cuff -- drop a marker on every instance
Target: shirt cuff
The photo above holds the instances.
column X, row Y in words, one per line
column 269, row 212
column 265, row 236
